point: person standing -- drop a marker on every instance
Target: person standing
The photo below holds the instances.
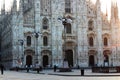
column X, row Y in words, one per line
column 2, row 69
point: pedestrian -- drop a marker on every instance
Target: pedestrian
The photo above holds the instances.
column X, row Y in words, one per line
column 27, row 67
column 78, row 67
column 2, row 69
column 17, row 68
column 37, row 67
column 55, row 67
column 40, row 68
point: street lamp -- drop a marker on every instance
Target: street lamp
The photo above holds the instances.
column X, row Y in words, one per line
column 65, row 21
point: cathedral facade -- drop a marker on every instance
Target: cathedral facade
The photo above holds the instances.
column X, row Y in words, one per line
column 49, row 31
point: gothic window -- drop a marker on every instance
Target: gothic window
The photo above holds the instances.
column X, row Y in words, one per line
column 68, row 28
column 91, row 42
column 45, row 41
column 105, row 41
column 28, row 18
column 90, row 25
column 45, row 23
column 67, row 6
column 28, row 41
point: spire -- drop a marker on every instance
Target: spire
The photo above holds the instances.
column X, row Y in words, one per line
column 98, row 2
column 98, row 7
column 14, row 8
column 112, row 10
column 116, row 11
column 3, row 4
column 106, row 10
column 14, row 3
column 21, row 5
column 3, row 8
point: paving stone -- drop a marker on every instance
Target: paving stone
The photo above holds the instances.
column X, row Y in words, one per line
column 12, row 75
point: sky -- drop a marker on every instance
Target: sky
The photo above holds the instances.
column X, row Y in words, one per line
column 104, row 4
column 8, row 4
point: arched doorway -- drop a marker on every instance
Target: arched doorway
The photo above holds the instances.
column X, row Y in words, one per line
column 106, row 60
column 106, row 54
column 45, row 60
column 28, row 60
column 69, row 57
column 91, row 60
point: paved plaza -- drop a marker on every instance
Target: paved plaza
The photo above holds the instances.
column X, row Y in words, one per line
column 50, row 75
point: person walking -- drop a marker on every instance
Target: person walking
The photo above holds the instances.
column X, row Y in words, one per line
column 37, row 67
column 27, row 68
column 55, row 67
column 2, row 69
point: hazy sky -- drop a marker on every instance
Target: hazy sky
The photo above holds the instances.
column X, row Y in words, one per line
column 104, row 3
column 7, row 2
